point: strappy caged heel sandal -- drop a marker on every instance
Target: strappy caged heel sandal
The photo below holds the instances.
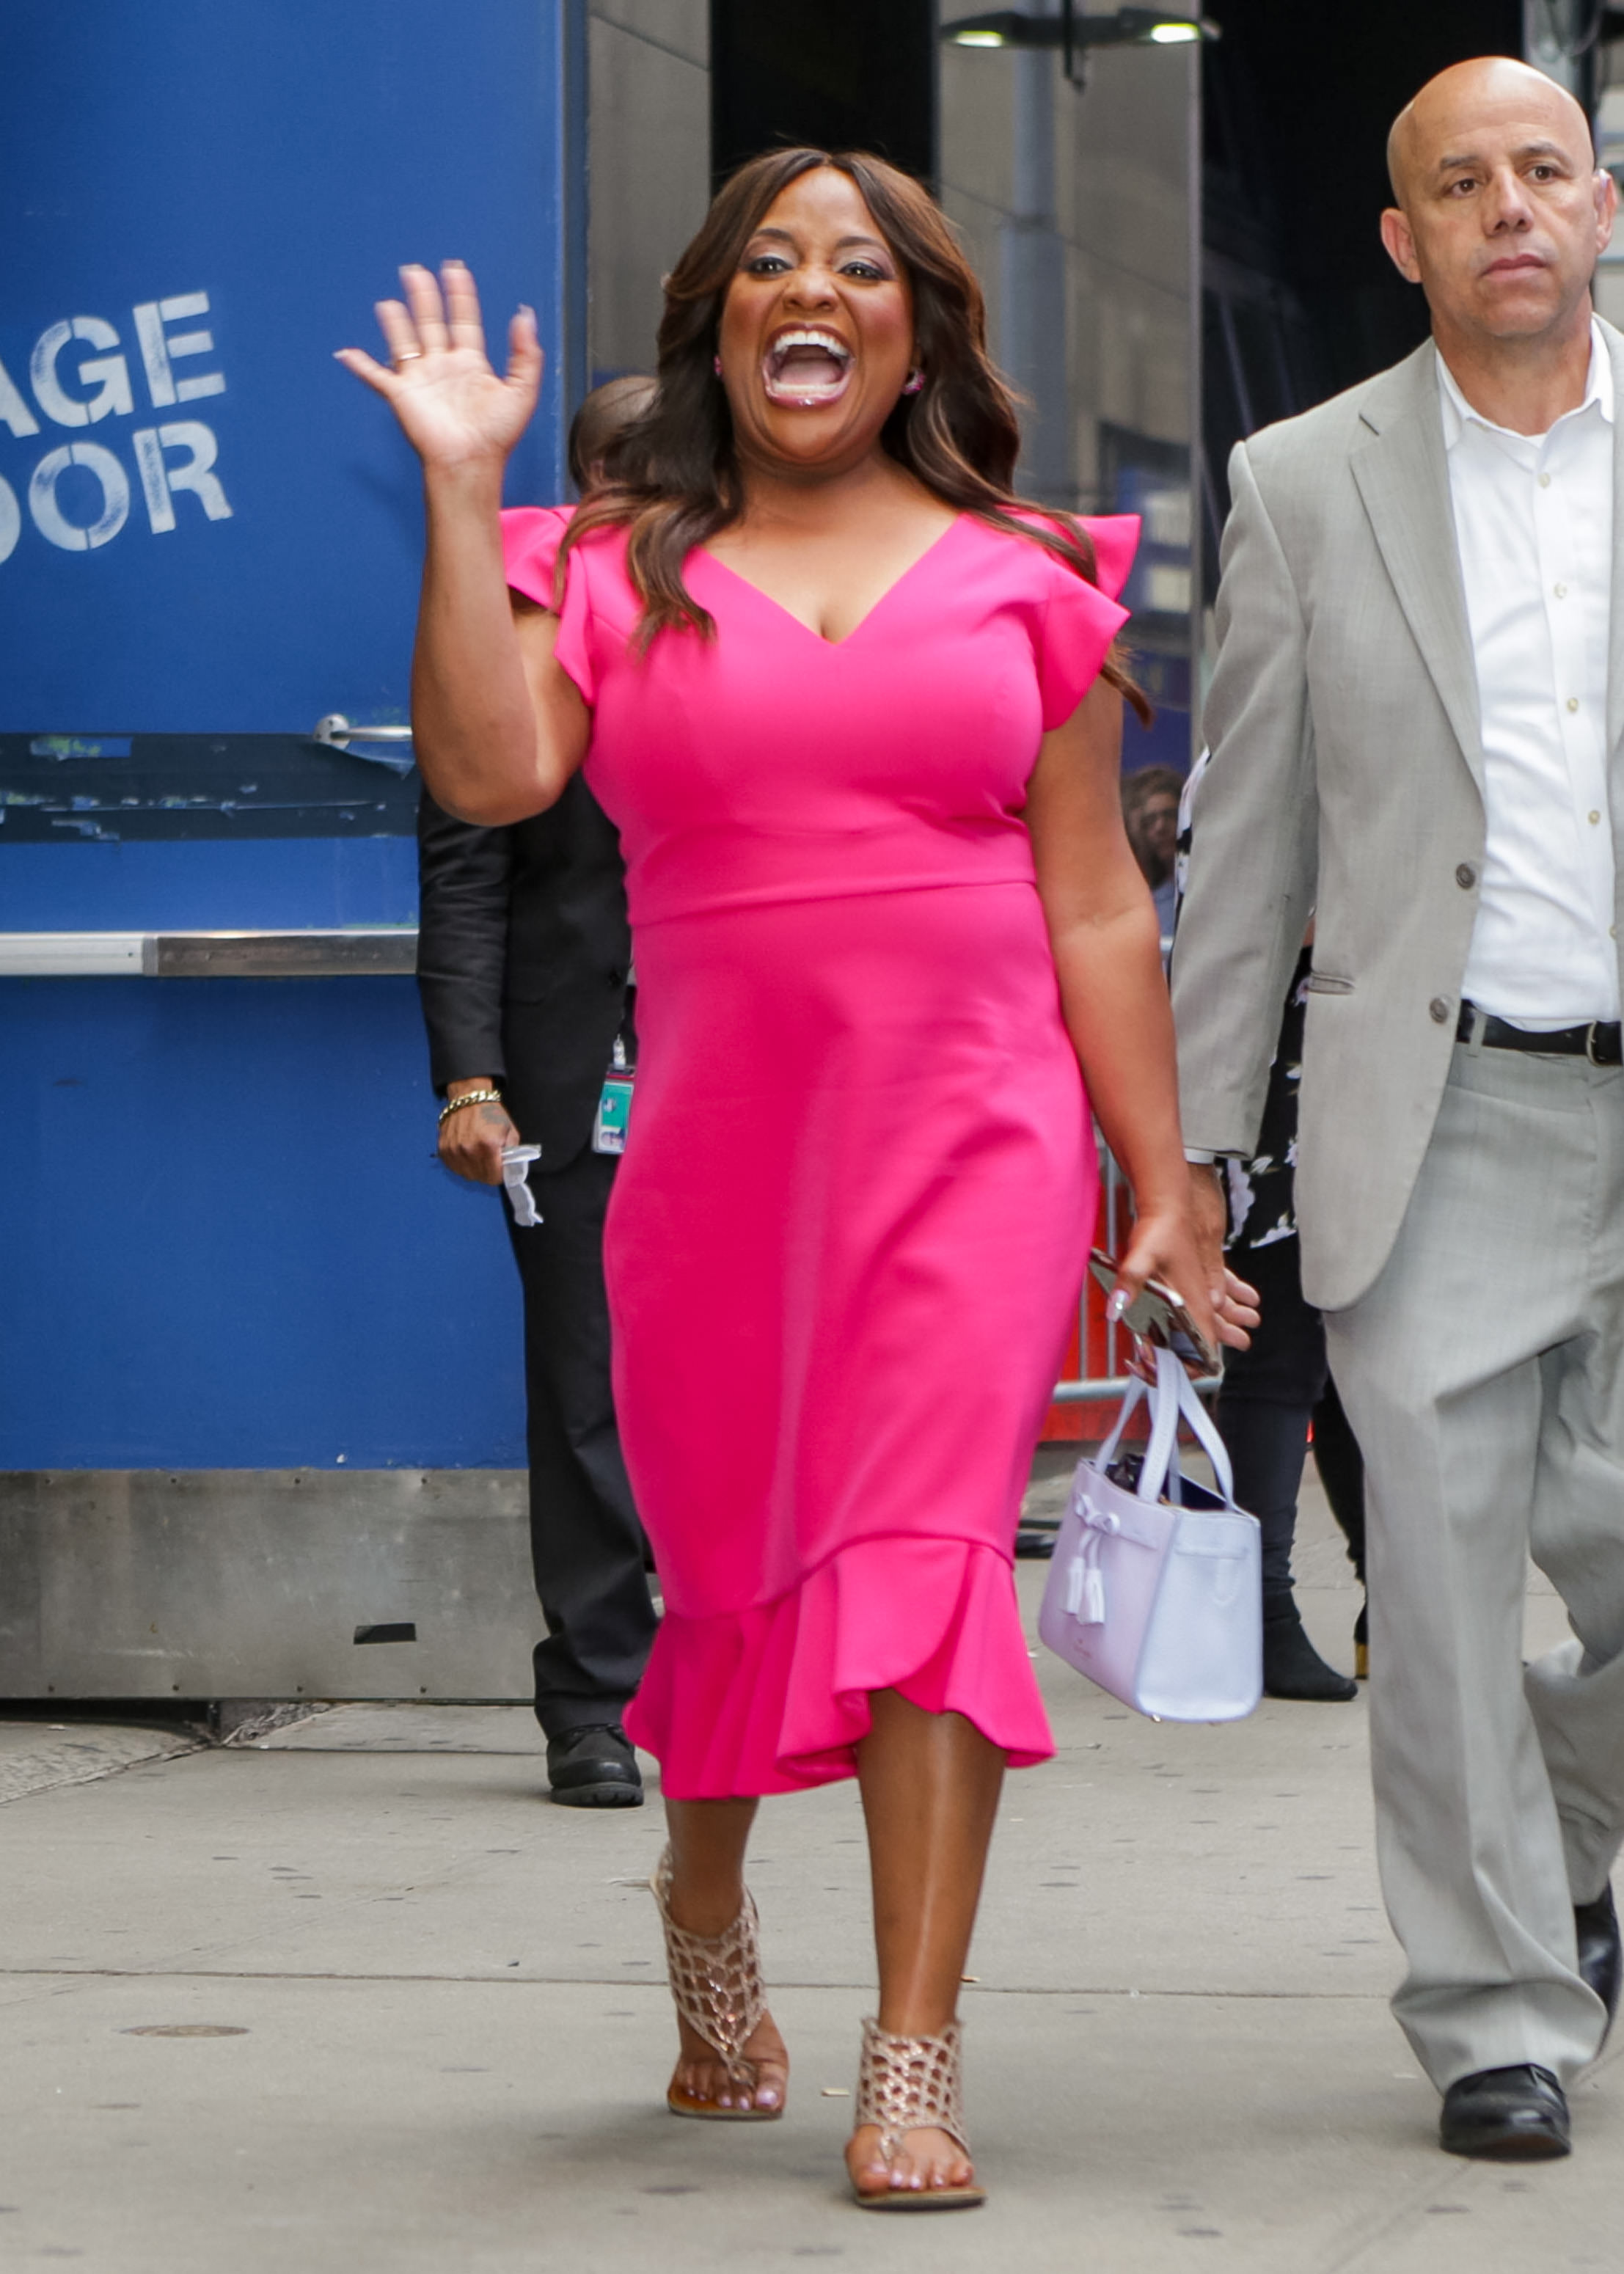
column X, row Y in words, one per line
column 912, row 2084
column 715, row 1981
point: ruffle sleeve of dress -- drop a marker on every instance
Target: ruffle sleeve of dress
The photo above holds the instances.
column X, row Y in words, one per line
column 1082, row 620
column 531, row 536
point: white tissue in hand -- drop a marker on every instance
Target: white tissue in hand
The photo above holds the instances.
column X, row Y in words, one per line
column 516, row 1171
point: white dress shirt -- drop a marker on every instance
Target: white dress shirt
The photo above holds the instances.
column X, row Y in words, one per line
column 1533, row 523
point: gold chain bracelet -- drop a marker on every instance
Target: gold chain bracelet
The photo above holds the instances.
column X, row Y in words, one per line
column 468, row 1097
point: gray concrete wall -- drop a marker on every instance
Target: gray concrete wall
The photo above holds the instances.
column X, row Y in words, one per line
column 648, row 93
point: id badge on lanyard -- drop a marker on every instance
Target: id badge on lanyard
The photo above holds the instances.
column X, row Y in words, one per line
column 614, row 1104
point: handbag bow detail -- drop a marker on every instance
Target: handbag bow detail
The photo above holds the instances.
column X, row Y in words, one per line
column 1085, row 1593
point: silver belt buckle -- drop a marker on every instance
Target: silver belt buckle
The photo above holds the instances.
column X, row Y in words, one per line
column 1590, row 1041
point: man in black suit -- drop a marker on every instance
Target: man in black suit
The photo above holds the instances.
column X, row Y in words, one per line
column 525, row 972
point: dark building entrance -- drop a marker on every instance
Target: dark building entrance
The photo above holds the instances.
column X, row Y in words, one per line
column 1300, row 298
column 843, row 74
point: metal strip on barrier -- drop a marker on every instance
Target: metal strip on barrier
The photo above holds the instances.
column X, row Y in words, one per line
column 383, row 951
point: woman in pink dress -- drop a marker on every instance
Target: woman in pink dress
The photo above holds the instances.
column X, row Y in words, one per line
column 856, row 714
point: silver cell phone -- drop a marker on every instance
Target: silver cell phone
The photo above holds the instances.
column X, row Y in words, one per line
column 1159, row 1314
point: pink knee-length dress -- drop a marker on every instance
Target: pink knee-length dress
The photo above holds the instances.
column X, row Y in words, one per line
column 848, row 1234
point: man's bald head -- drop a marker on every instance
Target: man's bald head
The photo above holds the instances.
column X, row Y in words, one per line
column 1501, row 211
column 1427, row 130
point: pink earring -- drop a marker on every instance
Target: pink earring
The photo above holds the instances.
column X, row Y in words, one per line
column 916, row 381
column 716, row 366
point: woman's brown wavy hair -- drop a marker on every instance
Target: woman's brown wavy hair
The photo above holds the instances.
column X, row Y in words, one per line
column 673, row 475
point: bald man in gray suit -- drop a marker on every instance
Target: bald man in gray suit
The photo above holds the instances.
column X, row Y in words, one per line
column 1418, row 733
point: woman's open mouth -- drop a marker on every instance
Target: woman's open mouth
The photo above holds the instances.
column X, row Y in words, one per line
column 806, row 369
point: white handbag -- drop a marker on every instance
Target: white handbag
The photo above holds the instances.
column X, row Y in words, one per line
column 1160, row 1600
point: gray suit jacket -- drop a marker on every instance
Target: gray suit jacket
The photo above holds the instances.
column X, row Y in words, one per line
column 1346, row 782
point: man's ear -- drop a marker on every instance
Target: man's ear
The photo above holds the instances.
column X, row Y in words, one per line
column 1397, row 235
column 1607, row 207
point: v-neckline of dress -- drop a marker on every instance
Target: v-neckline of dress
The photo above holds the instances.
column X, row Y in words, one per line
column 866, row 618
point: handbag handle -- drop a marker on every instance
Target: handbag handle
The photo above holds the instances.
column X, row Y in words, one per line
column 1173, row 1396
column 1125, row 1412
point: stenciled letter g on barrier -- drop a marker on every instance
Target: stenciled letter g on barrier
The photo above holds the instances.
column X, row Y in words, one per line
column 108, row 374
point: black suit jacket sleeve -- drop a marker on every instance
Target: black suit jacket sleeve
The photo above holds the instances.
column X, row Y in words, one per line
column 464, row 881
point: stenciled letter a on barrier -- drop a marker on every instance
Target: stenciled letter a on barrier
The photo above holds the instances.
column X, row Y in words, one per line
column 14, row 412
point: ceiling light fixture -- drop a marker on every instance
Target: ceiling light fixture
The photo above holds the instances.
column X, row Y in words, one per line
column 1074, row 32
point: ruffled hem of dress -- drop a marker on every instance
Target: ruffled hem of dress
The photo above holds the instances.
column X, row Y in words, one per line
column 776, row 1698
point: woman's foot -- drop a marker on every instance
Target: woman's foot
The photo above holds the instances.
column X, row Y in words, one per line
column 732, row 2062
column 1292, row 1668
column 926, row 2161
column 701, row 2080
column 908, row 2152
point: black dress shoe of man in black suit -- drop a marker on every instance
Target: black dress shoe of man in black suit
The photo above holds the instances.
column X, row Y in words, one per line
column 594, row 1768
column 1601, row 1954
column 1511, row 2115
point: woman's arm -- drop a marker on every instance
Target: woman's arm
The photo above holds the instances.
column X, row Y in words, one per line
column 1107, row 947
column 498, row 726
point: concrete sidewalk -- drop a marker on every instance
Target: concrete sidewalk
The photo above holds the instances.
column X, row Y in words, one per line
column 355, row 2000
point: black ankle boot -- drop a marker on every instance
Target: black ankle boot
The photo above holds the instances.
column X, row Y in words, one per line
column 1292, row 1668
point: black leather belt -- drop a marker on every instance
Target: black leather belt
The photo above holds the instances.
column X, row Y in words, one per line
column 1600, row 1041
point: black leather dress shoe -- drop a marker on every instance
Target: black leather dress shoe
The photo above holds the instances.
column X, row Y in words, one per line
column 1601, row 1953
column 1512, row 2115
column 594, row 1768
